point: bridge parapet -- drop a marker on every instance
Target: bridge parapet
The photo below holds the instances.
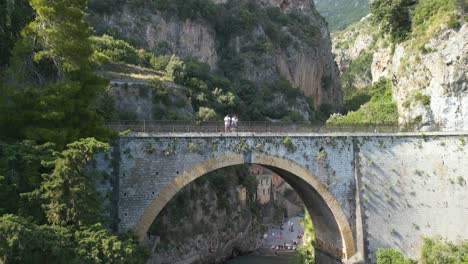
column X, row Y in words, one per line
column 165, row 126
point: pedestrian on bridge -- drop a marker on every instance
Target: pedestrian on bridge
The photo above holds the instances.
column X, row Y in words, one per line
column 227, row 123
column 234, row 122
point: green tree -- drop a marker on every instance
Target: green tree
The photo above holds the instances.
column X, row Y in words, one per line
column 21, row 165
column 437, row 251
column 391, row 256
column 306, row 251
column 26, row 242
column 69, row 190
column 63, row 35
column 59, row 112
column 14, row 15
column 393, row 17
column 96, row 245
column 48, row 95
column 50, row 88
column 116, row 50
column 207, row 114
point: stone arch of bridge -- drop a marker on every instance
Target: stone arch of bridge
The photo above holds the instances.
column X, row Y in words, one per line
column 333, row 232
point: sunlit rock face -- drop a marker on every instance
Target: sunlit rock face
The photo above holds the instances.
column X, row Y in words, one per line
column 153, row 31
column 429, row 81
column 305, row 61
column 440, row 75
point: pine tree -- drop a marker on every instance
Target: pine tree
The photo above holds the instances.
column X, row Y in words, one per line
column 53, row 65
column 14, row 15
column 63, row 35
column 69, row 190
column 21, row 165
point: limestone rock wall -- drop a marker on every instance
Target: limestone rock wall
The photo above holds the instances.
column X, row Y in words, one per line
column 153, row 31
column 306, row 63
column 300, row 5
column 349, row 44
column 134, row 101
column 439, row 74
column 199, row 232
column 429, row 82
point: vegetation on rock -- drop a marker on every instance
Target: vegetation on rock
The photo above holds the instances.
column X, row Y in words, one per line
column 359, row 69
column 402, row 19
column 379, row 109
column 403, row 33
column 391, row 256
column 261, row 32
column 342, row 13
column 306, row 250
column 434, row 251
column 211, row 95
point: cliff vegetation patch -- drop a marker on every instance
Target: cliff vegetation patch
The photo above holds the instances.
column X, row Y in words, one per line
column 380, row 109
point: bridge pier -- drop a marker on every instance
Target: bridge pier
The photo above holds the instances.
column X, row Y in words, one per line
column 322, row 257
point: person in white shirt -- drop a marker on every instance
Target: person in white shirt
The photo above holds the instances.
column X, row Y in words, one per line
column 227, row 123
column 234, row 123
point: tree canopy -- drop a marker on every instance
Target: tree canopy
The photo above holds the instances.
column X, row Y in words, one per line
column 50, row 210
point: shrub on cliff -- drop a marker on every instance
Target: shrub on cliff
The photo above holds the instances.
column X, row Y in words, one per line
column 393, row 17
column 379, row 110
column 438, row 251
column 391, row 256
column 434, row 251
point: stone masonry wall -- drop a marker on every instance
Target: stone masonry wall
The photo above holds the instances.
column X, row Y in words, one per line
column 409, row 185
column 149, row 164
column 413, row 187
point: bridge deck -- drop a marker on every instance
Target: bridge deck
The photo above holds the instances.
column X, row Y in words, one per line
column 292, row 134
column 255, row 128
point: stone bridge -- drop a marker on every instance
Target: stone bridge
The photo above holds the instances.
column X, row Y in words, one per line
column 363, row 191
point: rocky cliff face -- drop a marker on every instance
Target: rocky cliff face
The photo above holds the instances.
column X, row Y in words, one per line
column 289, row 5
column 429, row 81
column 305, row 60
column 351, row 43
column 204, row 223
column 131, row 94
column 154, row 32
column 433, row 88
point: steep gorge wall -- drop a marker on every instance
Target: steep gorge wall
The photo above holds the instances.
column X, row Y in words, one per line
column 155, row 32
column 305, row 61
column 440, row 75
column 204, row 223
column 429, row 80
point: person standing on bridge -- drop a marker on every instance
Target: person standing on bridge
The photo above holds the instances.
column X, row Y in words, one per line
column 234, row 123
column 227, row 123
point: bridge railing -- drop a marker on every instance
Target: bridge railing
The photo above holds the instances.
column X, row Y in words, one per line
column 170, row 126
